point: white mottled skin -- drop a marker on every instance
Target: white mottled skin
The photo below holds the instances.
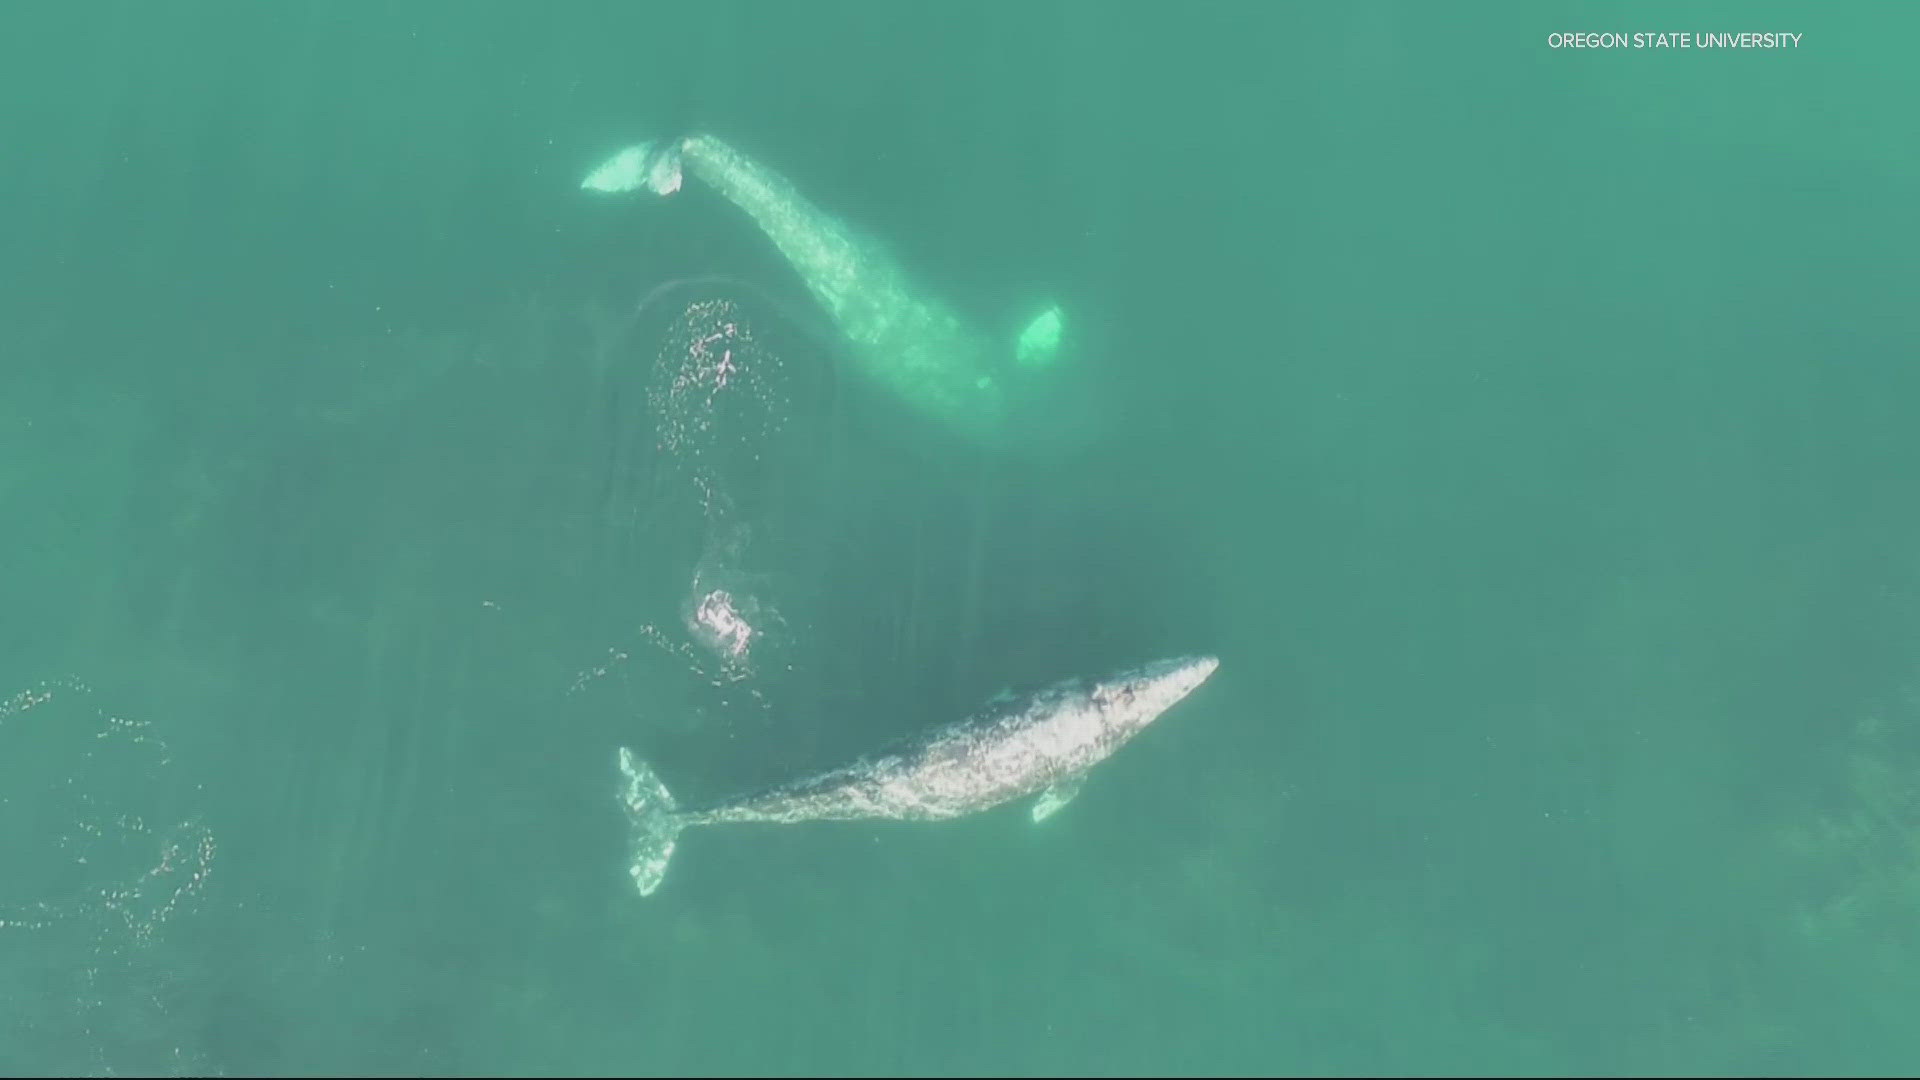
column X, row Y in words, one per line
column 1024, row 747
column 1018, row 749
column 899, row 335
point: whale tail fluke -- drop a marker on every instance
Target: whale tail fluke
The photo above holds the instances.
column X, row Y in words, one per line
column 652, row 165
column 655, row 819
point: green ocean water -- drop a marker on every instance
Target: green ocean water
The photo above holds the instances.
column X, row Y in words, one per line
column 1527, row 429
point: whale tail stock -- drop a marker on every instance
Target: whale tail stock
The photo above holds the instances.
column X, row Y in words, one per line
column 655, row 819
column 654, row 165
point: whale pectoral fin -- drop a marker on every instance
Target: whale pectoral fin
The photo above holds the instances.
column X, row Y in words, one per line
column 1039, row 343
column 1055, row 797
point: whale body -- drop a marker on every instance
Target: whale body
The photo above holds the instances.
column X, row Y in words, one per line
column 909, row 342
column 1041, row 744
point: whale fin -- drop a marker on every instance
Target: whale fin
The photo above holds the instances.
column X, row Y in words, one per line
column 1039, row 344
column 655, row 819
column 1055, row 797
column 651, row 165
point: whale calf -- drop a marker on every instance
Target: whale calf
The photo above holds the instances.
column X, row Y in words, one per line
column 1040, row 744
column 906, row 340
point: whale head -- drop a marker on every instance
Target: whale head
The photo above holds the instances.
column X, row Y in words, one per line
column 1133, row 698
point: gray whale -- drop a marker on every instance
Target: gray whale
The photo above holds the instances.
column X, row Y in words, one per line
column 906, row 340
column 1041, row 744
